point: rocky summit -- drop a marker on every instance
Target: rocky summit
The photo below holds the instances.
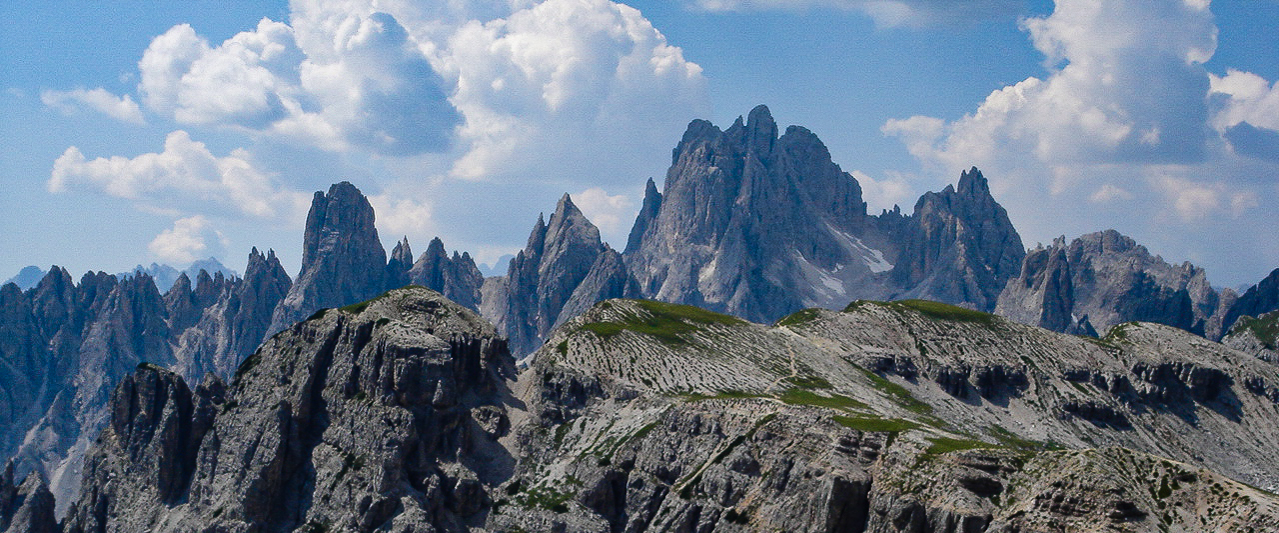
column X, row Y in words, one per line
column 407, row 413
column 1096, row 398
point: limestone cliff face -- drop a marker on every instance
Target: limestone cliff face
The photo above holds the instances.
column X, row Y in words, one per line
column 26, row 507
column 1259, row 299
column 456, row 277
column 79, row 341
column 756, row 225
column 385, row 417
column 405, row 414
column 342, row 259
column 544, row 277
column 1105, row 278
column 959, row 247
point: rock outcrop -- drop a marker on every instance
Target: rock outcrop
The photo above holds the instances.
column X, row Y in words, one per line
column 1103, row 279
column 1257, row 336
column 959, row 246
column 342, row 259
column 384, row 416
column 455, row 277
column 26, row 507
column 756, row 225
column 404, row 413
column 1258, row 300
column 78, row 341
column 546, row 274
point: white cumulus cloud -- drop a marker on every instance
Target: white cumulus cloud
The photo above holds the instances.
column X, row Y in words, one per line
column 590, row 82
column 189, row 239
column 507, row 87
column 611, row 213
column 121, row 108
column 185, row 177
column 1128, row 130
column 887, row 13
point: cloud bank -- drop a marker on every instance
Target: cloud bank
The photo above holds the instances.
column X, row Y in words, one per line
column 1127, row 130
column 886, row 13
column 121, row 108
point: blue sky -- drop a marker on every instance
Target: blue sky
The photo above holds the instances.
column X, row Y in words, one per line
column 167, row 131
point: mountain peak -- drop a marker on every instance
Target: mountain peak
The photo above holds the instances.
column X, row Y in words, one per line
column 342, row 258
column 973, row 184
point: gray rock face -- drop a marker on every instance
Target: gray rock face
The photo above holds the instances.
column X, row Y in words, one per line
column 386, row 418
column 404, row 414
column 26, row 508
column 757, row 225
column 79, row 341
column 1258, row 336
column 960, row 247
column 397, row 267
column 221, row 321
column 1258, row 300
column 342, row 258
column 1106, row 279
column 543, row 277
column 455, row 277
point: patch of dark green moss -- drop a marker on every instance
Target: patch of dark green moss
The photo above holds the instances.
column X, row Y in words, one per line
column 809, row 398
column 799, row 318
column 358, row 308
column 318, row 314
column 944, row 445
column 350, row 462
column 562, row 347
column 151, row 366
column 809, row 382
column 1118, row 334
column 549, row 498
column 561, row 431
column 941, row 311
column 644, row 431
column 875, row 424
column 1104, row 343
column 667, row 322
column 1266, row 329
column 898, row 394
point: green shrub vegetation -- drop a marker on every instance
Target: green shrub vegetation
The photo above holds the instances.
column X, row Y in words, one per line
column 668, row 323
column 898, row 394
column 931, row 309
column 799, row 318
column 834, row 401
column 944, row 445
column 872, row 424
column 1265, row 328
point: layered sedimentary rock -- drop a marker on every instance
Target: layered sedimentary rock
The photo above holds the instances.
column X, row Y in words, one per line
column 1259, row 299
column 1103, row 279
column 404, row 413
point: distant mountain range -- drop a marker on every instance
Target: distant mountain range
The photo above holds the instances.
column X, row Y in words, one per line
column 749, row 223
column 164, row 276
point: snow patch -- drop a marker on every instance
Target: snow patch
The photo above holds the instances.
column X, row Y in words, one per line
column 873, row 258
